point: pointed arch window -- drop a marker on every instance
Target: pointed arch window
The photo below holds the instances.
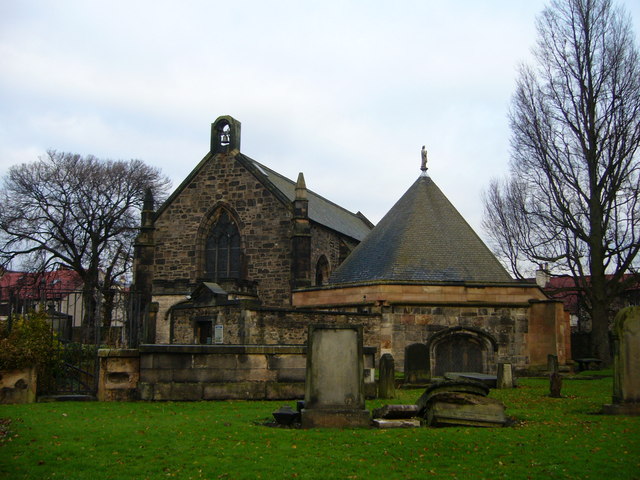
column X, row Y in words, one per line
column 222, row 257
column 322, row 271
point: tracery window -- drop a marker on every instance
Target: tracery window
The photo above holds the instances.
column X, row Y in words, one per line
column 222, row 257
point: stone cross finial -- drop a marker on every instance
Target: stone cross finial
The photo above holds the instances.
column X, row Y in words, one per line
column 423, row 167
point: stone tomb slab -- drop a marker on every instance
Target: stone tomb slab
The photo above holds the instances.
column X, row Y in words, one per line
column 465, row 409
column 394, row 412
column 489, row 380
column 449, row 386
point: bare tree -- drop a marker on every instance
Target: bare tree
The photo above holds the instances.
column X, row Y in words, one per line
column 80, row 212
column 571, row 199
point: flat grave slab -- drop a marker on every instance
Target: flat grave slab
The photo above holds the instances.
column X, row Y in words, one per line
column 489, row 380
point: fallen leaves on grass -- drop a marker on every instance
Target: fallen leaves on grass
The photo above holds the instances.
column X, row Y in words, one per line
column 4, row 428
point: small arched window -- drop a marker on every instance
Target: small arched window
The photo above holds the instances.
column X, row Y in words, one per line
column 222, row 256
column 322, row 271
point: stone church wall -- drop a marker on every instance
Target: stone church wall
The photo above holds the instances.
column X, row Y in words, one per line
column 507, row 326
column 263, row 221
column 266, row 326
column 390, row 329
column 327, row 243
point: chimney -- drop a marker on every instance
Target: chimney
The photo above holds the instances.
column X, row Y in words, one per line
column 542, row 275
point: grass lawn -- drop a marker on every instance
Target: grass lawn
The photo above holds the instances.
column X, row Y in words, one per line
column 553, row 438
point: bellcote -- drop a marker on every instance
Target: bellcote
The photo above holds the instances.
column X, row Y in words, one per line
column 225, row 135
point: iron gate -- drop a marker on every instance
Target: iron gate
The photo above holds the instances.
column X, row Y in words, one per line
column 76, row 335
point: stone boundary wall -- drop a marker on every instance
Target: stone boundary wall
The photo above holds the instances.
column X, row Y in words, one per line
column 18, row 386
column 223, row 372
column 119, row 374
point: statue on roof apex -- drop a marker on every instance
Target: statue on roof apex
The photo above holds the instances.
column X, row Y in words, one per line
column 423, row 167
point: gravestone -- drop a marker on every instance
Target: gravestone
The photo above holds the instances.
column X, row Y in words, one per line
column 626, row 363
column 555, row 385
column 505, row 376
column 465, row 409
column 555, row 379
column 334, row 383
column 417, row 369
column 460, row 402
column 387, row 380
column 449, row 386
column 552, row 363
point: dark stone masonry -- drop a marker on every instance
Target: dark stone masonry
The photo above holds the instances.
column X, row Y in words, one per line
column 240, row 255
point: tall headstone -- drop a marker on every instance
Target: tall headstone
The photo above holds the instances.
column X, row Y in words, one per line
column 417, row 369
column 555, row 379
column 387, row 380
column 552, row 363
column 626, row 363
column 334, row 383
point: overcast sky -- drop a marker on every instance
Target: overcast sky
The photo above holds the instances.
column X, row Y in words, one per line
column 345, row 91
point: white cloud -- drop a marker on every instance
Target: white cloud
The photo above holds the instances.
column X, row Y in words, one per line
column 347, row 92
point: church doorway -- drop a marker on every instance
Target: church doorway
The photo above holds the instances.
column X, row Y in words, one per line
column 459, row 353
column 461, row 349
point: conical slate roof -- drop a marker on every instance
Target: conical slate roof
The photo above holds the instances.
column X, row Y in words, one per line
column 423, row 238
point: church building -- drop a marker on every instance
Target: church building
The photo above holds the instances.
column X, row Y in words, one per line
column 241, row 255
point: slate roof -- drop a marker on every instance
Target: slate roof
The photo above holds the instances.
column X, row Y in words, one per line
column 321, row 210
column 423, row 238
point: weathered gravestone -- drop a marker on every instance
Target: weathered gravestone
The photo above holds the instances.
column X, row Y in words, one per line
column 555, row 379
column 334, row 384
column 460, row 402
column 417, row 369
column 387, row 380
column 552, row 363
column 626, row 363
column 505, row 376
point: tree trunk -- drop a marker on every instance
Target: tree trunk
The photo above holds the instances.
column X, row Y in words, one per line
column 599, row 338
column 108, row 303
column 90, row 309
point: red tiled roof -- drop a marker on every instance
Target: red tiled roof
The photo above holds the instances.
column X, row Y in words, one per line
column 564, row 289
column 46, row 285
